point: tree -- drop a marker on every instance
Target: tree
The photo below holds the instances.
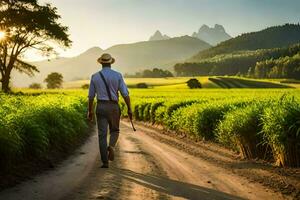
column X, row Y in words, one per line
column 194, row 83
column 142, row 85
column 35, row 86
column 54, row 80
column 85, row 86
column 27, row 25
column 156, row 73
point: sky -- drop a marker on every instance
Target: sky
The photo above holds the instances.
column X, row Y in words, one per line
column 105, row 23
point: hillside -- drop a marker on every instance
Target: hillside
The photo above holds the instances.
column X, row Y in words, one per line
column 273, row 37
column 213, row 35
column 149, row 54
column 129, row 59
column 246, row 63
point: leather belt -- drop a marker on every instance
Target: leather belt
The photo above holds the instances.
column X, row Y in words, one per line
column 107, row 102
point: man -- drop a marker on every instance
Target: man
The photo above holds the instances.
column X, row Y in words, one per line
column 106, row 84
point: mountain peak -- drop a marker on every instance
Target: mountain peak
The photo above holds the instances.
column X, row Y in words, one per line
column 93, row 51
column 213, row 35
column 194, row 34
column 204, row 27
column 157, row 33
column 219, row 28
column 158, row 36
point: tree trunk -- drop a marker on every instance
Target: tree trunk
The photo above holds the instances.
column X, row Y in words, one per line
column 6, row 76
column 5, row 83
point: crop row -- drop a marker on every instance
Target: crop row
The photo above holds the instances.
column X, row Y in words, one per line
column 267, row 127
column 33, row 126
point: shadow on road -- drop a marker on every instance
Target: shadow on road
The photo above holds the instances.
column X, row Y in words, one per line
column 173, row 187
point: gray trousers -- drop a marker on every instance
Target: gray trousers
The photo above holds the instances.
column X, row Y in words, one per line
column 108, row 115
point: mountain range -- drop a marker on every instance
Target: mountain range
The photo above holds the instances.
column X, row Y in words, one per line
column 213, row 35
column 130, row 58
column 272, row 37
column 270, row 53
column 164, row 53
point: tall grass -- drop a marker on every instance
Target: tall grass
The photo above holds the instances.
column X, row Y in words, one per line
column 257, row 123
column 281, row 130
column 32, row 126
column 241, row 130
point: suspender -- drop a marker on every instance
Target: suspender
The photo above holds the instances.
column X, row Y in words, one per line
column 106, row 85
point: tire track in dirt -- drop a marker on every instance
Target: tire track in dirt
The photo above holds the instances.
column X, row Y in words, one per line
column 215, row 182
column 279, row 180
column 120, row 180
column 148, row 165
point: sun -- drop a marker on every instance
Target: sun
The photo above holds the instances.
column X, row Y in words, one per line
column 2, row 35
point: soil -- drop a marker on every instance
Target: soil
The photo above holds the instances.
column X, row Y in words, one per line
column 155, row 164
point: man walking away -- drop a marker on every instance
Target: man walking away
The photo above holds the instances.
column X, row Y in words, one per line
column 106, row 84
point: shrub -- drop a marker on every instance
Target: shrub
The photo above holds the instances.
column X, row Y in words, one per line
column 172, row 106
column 146, row 112
column 207, row 118
column 159, row 114
column 194, row 83
column 35, row 86
column 182, row 118
column 85, row 86
column 153, row 108
column 141, row 85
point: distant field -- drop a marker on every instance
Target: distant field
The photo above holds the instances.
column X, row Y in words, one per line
column 290, row 82
column 174, row 82
column 234, row 82
column 293, row 83
column 207, row 82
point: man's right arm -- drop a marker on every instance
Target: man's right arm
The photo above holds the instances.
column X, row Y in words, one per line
column 91, row 96
column 127, row 101
column 125, row 94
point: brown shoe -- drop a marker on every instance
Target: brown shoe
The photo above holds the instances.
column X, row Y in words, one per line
column 105, row 165
column 111, row 153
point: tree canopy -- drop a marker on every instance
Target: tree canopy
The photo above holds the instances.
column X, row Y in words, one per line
column 54, row 80
column 154, row 73
column 245, row 63
column 194, row 83
column 27, row 25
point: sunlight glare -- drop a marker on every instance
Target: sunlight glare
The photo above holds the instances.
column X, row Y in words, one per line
column 2, row 35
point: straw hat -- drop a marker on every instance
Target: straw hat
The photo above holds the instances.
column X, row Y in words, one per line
column 106, row 59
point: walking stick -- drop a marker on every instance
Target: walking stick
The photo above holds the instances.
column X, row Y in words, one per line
column 132, row 125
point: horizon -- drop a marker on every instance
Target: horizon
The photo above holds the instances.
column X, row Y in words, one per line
column 175, row 18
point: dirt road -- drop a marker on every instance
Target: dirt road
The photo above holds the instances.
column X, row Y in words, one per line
column 147, row 166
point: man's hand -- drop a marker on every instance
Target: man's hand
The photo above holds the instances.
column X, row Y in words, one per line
column 129, row 114
column 90, row 116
